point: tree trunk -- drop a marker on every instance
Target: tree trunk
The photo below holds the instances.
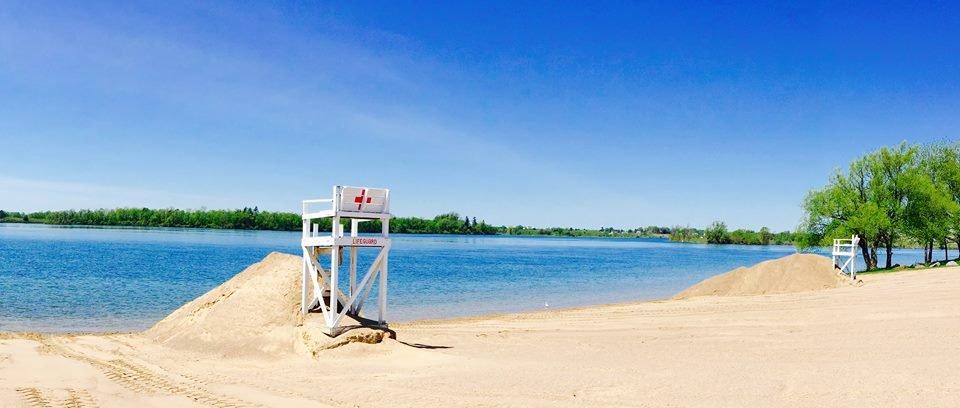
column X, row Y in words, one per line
column 866, row 254
column 873, row 255
column 946, row 254
column 889, row 252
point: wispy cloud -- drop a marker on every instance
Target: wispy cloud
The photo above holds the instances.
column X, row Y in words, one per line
column 136, row 86
column 34, row 195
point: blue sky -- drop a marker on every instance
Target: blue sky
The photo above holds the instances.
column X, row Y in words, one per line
column 590, row 115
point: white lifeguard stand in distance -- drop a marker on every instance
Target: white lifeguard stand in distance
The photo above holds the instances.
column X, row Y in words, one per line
column 359, row 204
column 846, row 250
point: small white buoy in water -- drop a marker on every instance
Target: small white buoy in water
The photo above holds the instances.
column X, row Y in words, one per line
column 545, row 304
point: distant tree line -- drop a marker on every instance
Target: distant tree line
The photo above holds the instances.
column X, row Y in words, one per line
column 449, row 223
column 255, row 219
column 246, row 218
column 908, row 195
column 585, row 232
column 717, row 233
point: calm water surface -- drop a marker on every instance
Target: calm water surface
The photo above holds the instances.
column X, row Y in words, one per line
column 117, row 279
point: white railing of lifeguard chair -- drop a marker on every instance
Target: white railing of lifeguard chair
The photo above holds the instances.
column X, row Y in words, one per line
column 312, row 229
column 846, row 248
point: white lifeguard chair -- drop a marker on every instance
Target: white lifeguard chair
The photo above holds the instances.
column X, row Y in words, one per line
column 359, row 204
column 846, row 250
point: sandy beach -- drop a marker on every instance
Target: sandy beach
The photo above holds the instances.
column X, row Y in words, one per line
column 436, row 204
column 891, row 341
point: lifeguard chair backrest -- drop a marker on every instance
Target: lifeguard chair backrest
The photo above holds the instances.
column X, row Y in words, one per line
column 363, row 199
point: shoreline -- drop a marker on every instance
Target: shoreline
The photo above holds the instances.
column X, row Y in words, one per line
column 457, row 319
column 479, row 317
column 842, row 346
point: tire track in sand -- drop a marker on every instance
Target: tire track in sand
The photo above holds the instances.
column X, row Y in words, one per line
column 33, row 397
column 76, row 398
column 79, row 399
column 233, row 380
column 140, row 379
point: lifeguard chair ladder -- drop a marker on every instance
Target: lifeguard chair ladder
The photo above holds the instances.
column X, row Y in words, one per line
column 359, row 204
column 846, row 250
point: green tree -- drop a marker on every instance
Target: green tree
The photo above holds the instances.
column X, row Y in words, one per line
column 944, row 167
column 885, row 195
column 932, row 208
column 682, row 234
column 717, row 233
column 805, row 239
column 847, row 206
column 894, row 184
column 744, row 237
column 765, row 236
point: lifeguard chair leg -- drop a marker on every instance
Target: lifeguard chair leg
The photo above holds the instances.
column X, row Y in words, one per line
column 304, row 281
column 382, row 297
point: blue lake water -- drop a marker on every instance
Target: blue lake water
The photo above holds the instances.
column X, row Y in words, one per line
column 118, row 279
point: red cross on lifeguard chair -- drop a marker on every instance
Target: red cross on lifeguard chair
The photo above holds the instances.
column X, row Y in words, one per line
column 359, row 204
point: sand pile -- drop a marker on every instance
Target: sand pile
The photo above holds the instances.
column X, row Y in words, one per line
column 793, row 273
column 257, row 312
